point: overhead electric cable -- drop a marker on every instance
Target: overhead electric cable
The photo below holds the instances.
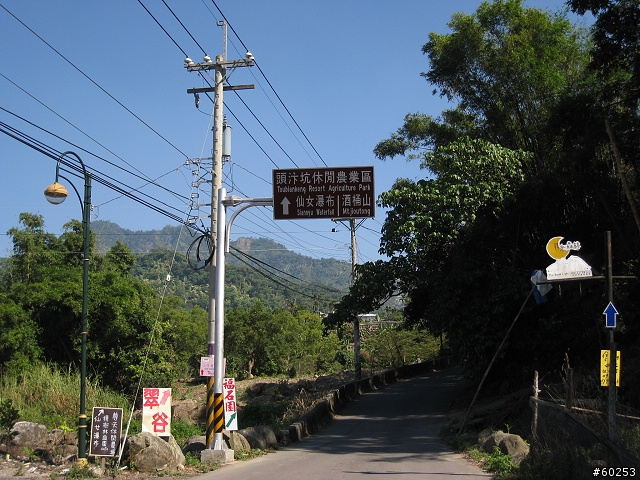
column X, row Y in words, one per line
column 205, row 79
column 95, row 83
column 185, row 28
column 265, row 129
column 273, row 279
column 76, row 169
column 256, row 260
column 271, row 86
column 149, row 182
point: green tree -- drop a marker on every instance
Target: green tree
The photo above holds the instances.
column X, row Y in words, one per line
column 394, row 347
column 42, row 308
column 248, row 335
column 34, row 250
column 300, row 346
column 615, row 38
column 120, row 258
column 506, row 168
column 186, row 334
column 504, row 65
column 19, row 346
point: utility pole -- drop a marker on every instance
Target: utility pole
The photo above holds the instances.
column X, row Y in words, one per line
column 215, row 413
column 611, row 417
column 356, row 320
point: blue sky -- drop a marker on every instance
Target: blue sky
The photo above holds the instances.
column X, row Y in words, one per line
column 112, row 86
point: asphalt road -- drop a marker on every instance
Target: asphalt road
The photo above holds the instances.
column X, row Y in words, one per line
column 391, row 431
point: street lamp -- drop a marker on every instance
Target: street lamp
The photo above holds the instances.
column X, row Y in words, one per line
column 56, row 194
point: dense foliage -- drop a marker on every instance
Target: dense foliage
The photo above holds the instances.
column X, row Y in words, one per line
column 149, row 328
column 542, row 140
column 136, row 328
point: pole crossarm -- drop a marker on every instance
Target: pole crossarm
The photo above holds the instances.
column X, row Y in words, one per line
column 211, row 65
column 225, row 88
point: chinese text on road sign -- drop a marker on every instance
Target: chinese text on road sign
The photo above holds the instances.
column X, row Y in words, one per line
column 230, row 406
column 106, row 427
column 340, row 192
column 156, row 411
column 605, row 368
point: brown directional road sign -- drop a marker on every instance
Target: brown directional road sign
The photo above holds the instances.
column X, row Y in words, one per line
column 333, row 192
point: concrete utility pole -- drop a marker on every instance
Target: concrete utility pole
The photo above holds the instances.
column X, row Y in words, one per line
column 356, row 320
column 215, row 412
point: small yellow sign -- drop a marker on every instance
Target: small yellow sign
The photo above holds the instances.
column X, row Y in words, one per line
column 604, row 368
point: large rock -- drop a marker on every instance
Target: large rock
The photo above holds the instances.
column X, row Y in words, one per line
column 26, row 440
column 260, row 437
column 149, row 453
column 188, row 409
column 509, row 444
column 234, row 440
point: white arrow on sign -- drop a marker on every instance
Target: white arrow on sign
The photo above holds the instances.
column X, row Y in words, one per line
column 285, row 206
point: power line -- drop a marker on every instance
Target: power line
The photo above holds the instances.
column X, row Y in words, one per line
column 142, row 175
column 265, row 264
column 149, row 182
column 277, row 282
column 94, row 82
column 76, row 170
column 271, row 86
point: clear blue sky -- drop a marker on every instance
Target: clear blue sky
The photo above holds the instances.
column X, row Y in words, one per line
column 347, row 71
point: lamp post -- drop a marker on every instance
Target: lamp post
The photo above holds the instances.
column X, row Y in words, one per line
column 56, row 194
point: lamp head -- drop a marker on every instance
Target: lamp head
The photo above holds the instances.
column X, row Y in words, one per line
column 56, row 193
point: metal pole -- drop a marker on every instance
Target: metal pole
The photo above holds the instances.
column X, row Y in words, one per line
column 220, row 65
column 85, row 206
column 218, row 362
column 612, row 347
column 86, row 229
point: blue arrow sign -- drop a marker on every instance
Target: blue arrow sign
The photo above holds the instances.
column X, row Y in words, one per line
column 610, row 314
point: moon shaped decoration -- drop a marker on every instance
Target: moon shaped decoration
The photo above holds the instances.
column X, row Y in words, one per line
column 554, row 250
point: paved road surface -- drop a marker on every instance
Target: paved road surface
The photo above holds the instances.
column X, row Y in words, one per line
column 392, row 431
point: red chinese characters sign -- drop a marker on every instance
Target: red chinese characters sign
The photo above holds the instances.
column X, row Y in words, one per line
column 156, row 411
column 230, row 406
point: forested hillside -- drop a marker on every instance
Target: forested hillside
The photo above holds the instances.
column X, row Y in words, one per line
column 253, row 253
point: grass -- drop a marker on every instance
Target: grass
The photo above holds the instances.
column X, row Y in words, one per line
column 46, row 395
column 495, row 462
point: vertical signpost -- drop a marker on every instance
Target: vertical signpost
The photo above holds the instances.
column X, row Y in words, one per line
column 611, row 314
column 574, row 268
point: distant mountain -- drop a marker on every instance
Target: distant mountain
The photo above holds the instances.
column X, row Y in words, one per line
column 260, row 256
column 140, row 241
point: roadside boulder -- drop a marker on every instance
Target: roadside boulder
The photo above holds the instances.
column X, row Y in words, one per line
column 149, row 453
column 26, row 440
column 509, row 444
column 189, row 410
column 260, row 437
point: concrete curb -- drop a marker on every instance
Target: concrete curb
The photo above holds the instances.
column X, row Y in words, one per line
column 324, row 411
